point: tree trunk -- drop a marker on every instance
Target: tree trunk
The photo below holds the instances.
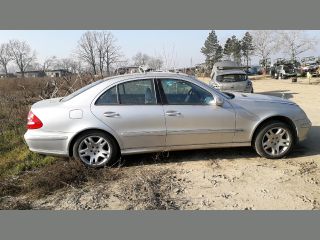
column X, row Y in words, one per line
column 5, row 69
column 108, row 69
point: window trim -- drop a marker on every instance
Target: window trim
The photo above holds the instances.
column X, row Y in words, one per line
column 164, row 98
column 156, row 93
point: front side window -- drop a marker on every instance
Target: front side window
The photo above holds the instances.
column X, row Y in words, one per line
column 179, row 92
column 232, row 78
column 140, row 92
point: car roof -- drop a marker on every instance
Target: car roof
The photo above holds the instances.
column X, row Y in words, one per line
column 119, row 78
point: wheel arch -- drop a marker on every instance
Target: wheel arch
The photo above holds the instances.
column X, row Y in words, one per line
column 75, row 137
column 279, row 118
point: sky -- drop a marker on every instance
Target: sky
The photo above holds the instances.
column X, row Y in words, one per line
column 184, row 44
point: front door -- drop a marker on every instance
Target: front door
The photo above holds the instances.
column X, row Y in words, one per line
column 191, row 118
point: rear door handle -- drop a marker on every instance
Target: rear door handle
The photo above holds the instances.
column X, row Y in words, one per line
column 173, row 113
column 111, row 114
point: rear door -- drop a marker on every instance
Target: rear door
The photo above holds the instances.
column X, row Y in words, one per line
column 191, row 119
column 132, row 110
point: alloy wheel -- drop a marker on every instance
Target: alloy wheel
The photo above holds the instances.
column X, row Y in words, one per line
column 94, row 150
column 276, row 141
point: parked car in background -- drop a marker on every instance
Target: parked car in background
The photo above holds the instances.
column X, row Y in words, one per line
column 284, row 71
column 229, row 76
column 254, row 70
column 154, row 112
column 313, row 68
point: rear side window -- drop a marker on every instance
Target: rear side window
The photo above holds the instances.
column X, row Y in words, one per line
column 140, row 92
column 109, row 97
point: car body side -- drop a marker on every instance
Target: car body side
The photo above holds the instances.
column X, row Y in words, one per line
column 64, row 121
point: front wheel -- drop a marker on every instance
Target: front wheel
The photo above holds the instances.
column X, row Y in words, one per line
column 95, row 149
column 274, row 140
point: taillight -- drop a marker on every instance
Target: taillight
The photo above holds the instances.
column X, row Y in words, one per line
column 33, row 121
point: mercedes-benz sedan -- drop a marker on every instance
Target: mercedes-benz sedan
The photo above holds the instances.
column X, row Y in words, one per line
column 154, row 112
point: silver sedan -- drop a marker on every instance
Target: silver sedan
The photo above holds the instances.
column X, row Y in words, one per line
column 154, row 112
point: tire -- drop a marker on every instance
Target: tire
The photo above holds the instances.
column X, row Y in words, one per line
column 277, row 145
column 96, row 149
column 251, row 90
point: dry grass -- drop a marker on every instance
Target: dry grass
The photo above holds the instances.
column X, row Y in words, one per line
column 48, row 179
column 65, row 174
column 150, row 190
column 16, row 98
column 22, row 171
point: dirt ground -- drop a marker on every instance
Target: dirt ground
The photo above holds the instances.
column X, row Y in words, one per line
column 213, row 179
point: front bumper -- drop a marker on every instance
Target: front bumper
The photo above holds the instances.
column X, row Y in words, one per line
column 303, row 127
column 48, row 143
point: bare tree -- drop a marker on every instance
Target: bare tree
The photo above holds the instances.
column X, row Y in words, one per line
column 295, row 42
column 265, row 43
column 49, row 62
column 5, row 56
column 140, row 59
column 108, row 51
column 169, row 57
column 76, row 67
column 98, row 50
column 87, row 50
column 155, row 62
column 22, row 54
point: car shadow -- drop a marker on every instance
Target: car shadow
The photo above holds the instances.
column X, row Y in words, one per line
column 189, row 156
column 279, row 93
column 309, row 147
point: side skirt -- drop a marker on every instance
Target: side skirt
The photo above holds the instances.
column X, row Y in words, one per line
column 188, row 147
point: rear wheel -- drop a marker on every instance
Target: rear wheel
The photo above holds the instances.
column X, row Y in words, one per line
column 95, row 149
column 274, row 140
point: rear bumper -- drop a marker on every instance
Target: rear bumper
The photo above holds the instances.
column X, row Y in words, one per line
column 48, row 143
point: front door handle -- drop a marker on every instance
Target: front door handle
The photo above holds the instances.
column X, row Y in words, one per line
column 111, row 114
column 173, row 113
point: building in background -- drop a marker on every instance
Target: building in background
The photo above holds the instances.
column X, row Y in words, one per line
column 57, row 73
column 47, row 73
column 31, row 74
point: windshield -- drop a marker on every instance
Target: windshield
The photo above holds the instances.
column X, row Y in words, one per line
column 81, row 90
column 232, row 78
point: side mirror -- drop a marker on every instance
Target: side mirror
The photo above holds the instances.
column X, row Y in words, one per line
column 218, row 101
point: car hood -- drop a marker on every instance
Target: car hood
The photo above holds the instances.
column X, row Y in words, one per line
column 243, row 97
